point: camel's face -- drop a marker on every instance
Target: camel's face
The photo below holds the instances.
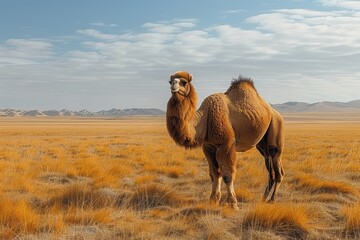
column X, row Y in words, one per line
column 179, row 85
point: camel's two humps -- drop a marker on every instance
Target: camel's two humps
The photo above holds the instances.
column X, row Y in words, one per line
column 226, row 123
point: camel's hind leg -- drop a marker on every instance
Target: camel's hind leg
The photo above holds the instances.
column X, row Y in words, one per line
column 275, row 145
column 214, row 171
column 275, row 154
column 263, row 149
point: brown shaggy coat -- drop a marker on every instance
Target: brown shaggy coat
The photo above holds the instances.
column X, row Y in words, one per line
column 226, row 123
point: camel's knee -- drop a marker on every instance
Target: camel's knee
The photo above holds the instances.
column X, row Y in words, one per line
column 227, row 179
column 228, row 174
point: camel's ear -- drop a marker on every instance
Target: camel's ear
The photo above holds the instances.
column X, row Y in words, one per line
column 190, row 77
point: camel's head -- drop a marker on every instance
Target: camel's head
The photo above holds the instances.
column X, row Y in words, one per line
column 179, row 83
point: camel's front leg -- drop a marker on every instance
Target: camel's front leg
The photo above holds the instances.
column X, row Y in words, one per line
column 210, row 153
column 216, row 189
column 226, row 155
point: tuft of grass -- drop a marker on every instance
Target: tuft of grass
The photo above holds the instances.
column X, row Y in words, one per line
column 318, row 185
column 170, row 171
column 55, row 223
column 352, row 214
column 215, row 227
column 18, row 216
column 145, row 179
column 177, row 228
column 328, row 198
column 161, row 212
column 81, row 196
column 155, row 195
column 75, row 215
column 200, row 209
column 243, row 195
column 286, row 219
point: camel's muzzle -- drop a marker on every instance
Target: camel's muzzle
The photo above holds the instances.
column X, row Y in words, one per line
column 175, row 85
column 174, row 90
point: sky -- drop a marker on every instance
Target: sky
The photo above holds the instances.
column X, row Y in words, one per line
column 95, row 55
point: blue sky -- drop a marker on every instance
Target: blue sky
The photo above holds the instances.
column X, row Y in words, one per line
column 103, row 54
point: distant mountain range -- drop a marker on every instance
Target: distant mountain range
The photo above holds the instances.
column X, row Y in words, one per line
column 353, row 106
column 318, row 107
column 84, row 113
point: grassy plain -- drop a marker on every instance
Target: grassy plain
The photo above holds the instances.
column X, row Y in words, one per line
column 75, row 178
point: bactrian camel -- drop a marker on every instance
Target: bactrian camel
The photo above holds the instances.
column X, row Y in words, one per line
column 226, row 123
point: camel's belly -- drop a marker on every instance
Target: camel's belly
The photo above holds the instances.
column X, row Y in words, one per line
column 247, row 138
column 242, row 147
column 248, row 134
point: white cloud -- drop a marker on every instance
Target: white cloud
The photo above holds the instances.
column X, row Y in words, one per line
column 97, row 34
column 234, row 11
column 185, row 24
column 174, row 26
column 101, row 24
column 161, row 28
column 354, row 5
column 24, row 51
column 25, row 44
column 314, row 31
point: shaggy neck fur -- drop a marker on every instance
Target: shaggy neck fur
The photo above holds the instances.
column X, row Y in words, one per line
column 182, row 118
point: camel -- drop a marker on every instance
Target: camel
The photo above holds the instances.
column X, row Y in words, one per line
column 226, row 123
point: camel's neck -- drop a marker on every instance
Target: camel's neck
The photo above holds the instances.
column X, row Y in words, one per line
column 183, row 121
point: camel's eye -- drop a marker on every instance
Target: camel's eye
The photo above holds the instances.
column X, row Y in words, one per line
column 184, row 83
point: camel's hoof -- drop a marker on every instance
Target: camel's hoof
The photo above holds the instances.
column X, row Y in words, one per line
column 234, row 206
column 214, row 202
column 215, row 199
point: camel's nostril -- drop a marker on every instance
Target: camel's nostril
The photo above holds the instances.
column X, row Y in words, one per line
column 174, row 88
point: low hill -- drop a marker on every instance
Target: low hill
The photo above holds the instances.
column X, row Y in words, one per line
column 288, row 107
column 353, row 106
column 84, row 113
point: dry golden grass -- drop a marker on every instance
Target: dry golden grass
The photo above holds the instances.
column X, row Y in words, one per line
column 18, row 216
column 352, row 214
column 291, row 220
column 316, row 185
column 155, row 195
column 68, row 178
